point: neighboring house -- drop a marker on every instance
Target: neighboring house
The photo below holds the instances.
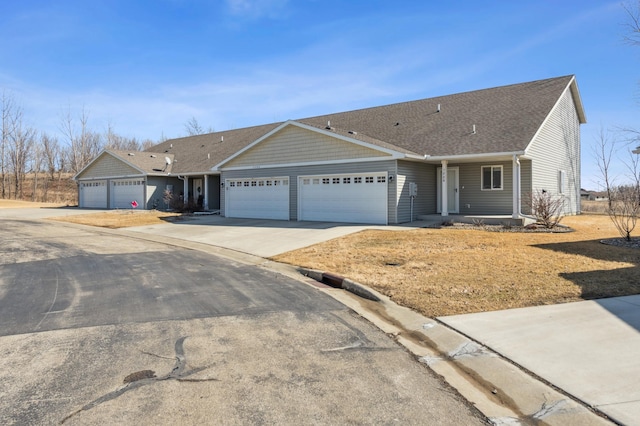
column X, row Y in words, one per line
column 475, row 153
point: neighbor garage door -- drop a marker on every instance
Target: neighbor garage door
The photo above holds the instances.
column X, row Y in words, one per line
column 358, row 198
column 124, row 191
column 93, row 194
column 257, row 198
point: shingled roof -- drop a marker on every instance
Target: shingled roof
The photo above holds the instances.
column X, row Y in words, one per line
column 505, row 120
column 198, row 154
column 147, row 162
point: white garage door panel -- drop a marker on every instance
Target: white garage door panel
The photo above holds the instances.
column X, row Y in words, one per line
column 93, row 194
column 257, row 198
column 359, row 198
column 124, row 191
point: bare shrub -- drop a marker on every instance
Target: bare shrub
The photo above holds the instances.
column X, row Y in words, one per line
column 624, row 206
column 547, row 209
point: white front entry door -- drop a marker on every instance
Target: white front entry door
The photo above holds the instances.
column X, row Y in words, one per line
column 453, row 204
column 356, row 198
column 257, row 198
column 198, row 190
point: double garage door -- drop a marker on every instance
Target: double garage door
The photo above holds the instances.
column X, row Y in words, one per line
column 124, row 191
column 258, row 198
column 356, row 198
column 94, row 194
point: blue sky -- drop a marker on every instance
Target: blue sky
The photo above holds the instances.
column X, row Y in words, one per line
column 147, row 67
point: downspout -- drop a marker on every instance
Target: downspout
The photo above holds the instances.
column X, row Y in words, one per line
column 516, row 161
column 185, row 189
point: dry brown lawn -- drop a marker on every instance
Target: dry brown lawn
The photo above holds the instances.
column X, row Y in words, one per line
column 452, row 271
column 121, row 218
column 19, row 204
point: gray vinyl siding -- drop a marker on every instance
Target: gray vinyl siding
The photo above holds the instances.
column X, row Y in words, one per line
column 475, row 201
column 155, row 190
column 425, row 202
column 326, row 169
column 214, row 192
column 557, row 147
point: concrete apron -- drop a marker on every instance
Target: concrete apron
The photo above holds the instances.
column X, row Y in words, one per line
column 502, row 391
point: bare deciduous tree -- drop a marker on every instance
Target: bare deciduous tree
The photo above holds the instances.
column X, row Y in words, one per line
column 623, row 205
column 633, row 24
column 83, row 143
column 20, row 149
column 9, row 111
column 193, row 127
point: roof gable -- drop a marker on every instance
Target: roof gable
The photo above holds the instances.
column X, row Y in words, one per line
column 295, row 143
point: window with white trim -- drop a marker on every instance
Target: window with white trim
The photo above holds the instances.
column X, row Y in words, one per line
column 491, row 177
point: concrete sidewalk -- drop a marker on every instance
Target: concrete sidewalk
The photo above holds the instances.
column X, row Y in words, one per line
column 590, row 350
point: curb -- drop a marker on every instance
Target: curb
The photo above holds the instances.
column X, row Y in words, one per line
column 505, row 393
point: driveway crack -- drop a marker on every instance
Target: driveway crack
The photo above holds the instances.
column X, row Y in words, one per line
column 147, row 377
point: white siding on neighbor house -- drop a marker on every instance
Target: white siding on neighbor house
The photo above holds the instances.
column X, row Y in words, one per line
column 556, row 148
column 108, row 166
column 293, row 144
column 425, row 203
column 294, row 172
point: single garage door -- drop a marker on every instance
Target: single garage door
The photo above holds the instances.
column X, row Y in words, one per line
column 124, row 191
column 93, row 194
column 257, row 198
column 357, row 198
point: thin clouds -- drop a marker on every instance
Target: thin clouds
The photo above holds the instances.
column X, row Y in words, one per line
column 255, row 9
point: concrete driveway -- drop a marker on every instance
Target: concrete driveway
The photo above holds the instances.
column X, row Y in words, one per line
column 258, row 237
column 590, row 349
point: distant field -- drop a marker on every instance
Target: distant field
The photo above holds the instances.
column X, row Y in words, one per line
column 594, row 207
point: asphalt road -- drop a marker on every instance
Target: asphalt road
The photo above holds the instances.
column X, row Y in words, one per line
column 96, row 329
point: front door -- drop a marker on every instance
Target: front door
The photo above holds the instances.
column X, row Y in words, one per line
column 453, row 205
column 198, row 194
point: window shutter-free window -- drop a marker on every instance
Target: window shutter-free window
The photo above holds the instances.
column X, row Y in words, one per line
column 491, row 178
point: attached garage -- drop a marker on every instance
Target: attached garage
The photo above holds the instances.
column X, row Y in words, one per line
column 124, row 191
column 93, row 194
column 257, row 198
column 357, row 198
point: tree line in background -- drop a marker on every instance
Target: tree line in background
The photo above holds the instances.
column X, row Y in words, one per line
column 38, row 166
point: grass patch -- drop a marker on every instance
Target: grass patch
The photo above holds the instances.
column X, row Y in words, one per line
column 451, row 271
column 121, row 218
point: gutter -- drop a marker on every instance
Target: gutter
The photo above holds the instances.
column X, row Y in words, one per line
column 464, row 157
